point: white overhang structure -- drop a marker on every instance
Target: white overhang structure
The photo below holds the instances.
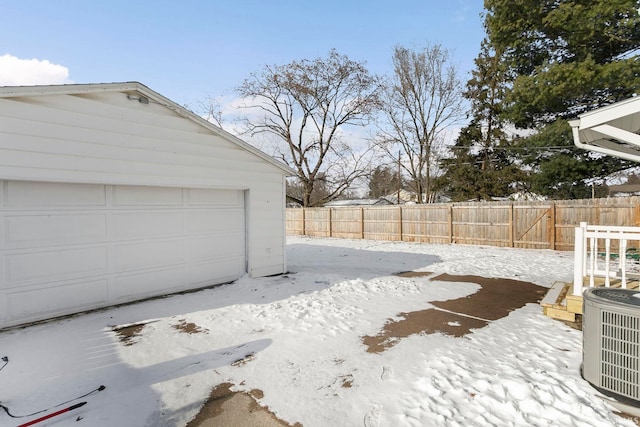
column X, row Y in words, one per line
column 611, row 130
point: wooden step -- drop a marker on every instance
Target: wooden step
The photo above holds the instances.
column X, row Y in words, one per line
column 559, row 314
column 556, row 296
column 554, row 303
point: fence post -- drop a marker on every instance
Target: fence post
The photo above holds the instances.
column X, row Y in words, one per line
column 304, row 222
column 362, row 223
column 400, row 222
column 450, row 215
column 330, row 224
column 552, row 226
column 511, row 224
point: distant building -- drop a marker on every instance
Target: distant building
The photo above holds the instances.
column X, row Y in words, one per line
column 624, row 190
column 357, row 202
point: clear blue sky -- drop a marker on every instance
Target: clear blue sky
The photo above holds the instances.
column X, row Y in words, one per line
column 190, row 49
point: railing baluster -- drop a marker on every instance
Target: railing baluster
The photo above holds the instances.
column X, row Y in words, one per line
column 585, row 253
column 593, row 244
column 607, row 260
column 579, row 259
column 622, row 262
column 586, row 246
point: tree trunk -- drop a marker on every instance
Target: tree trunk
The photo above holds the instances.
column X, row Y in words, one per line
column 306, row 195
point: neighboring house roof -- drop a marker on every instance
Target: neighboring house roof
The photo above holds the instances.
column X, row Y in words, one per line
column 611, row 130
column 357, row 202
column 144, row 95
column 411, row 197
column 521, row 196
column 625, row 189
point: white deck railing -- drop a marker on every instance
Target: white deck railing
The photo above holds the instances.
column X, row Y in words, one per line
column 595, row 258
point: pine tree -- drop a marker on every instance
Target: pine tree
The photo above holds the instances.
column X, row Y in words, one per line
column 384, row 181
column 482, row 167
column 563, row 58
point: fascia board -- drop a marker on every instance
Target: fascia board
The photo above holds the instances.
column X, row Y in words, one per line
column 610, row 113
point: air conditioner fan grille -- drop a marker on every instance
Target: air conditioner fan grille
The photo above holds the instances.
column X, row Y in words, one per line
column 620, row 353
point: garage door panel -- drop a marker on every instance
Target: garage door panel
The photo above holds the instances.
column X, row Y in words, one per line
column 47, row 194
column 215, row 221
column 65, row 248
column 212, row 197
column 223, row 246
column 27, row 230
column 137, row 225
column 155, row 253
column 200, row 274
column 56, row 299
column 56, row 264
column 129, row 287
column 133, row 195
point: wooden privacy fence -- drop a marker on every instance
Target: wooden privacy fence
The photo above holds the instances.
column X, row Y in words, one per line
column 537, row 225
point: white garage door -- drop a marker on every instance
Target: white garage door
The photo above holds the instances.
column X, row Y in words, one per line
column 66, row 248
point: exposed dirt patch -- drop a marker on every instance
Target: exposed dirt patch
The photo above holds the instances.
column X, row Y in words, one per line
column 347, row 381
column 128, row 334
column 495, row 299
column 189, row 327
column 236, row 409
column 428, row 321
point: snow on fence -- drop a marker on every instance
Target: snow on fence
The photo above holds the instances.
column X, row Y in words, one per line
column 605, row 252
column 536, row 225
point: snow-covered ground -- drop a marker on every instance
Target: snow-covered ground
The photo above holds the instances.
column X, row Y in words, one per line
column 299, row 337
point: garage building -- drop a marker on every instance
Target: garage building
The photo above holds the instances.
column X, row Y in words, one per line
column 111, row 193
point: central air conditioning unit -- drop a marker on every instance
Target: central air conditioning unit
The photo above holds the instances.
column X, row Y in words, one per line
column 611, row 342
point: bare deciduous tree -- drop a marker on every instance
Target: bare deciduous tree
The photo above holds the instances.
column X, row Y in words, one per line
column 306, row 104
column 422, row 99
column 211, row 110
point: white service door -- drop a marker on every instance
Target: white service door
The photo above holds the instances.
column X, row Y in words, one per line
column 66, row 248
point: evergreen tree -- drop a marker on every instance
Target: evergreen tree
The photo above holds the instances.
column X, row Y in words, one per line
column 482, row 167
column 564, row 57
column 384, row 181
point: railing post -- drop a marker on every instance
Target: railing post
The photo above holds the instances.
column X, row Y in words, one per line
column 585, row 249
column 579, row 260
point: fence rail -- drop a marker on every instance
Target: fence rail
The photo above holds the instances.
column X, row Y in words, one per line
column 538, row 225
